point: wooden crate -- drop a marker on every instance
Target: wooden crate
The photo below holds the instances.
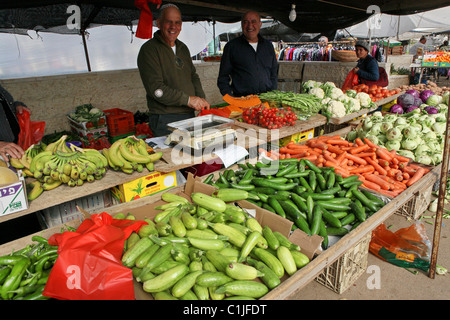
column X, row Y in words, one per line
column 341, row 274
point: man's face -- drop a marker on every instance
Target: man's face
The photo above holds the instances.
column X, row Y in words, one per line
column 170, row 25
column 251, row 24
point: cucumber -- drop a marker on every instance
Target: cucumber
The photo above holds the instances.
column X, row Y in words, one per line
column 219, row 261
column 188, row 220
column 253, row 224
column 249, row 244
column 185, row 284
column 201, row 292
column 272, row 240
column 212, row 279
column 286, row 259
column 189, row 295
column 246, row 288
column 130, row 256
column 300, row 259
column 270, row 279
column 146, row 230
column 144, row 257
column 208, row 202
column 270, row 260
column 177, row 225
column 171, row 197
column 285, row 241
column 161, row 255
column 235, row 237
column 163, row 295
column 207, row 244
column 166, row 279
column 240, row 271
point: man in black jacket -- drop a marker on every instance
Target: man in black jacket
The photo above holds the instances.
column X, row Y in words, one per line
column 249, row 64
column 9, row 126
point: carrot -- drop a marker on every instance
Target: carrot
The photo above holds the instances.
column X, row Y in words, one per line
column 341, row 142
column 328, row 157
column 376, row 179
column 334, row 149
column 359, row 149
column 406, row 176
column 419, row 174
column 341, row 157
column 291, row 151
column 318, row 150
column 311, row 157
column 344, row 162
column 362, row 169
column 370, row 143
column 356, row 159
column 392, row 194
column 402, row 158
column 409, row 170
column 383, row 154
column 359, row 142
column 319, row 145
column 282, row 156
column 371, row 185
column 296, row 146
column 288, row 155
column 371, row 155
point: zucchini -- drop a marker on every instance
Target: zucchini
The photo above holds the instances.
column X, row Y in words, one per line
column 240, row 271
column 166, row 279
column 246, row 288
column 270, row 279
column 130, row 256
column 235, row 237
column 182, row 286
column 300, row 259
column 286, row 259
column 212, row 279
column 270, row 260
column 208, row 202
column 207, row 244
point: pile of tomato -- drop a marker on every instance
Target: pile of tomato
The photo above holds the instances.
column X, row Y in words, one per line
column 375, row 92
column 270, row 118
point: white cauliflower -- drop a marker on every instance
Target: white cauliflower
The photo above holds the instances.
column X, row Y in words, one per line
column 308, row 85
column 335, row 93
column 336, row 108
column 353, row 105
column 364, row 99
column 318, row 92
column 343, row 98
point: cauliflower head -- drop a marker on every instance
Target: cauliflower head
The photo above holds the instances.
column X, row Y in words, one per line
column 336, row 108
column 318, row 92
column 364, row 99
column 353, row 105
column 335, row 93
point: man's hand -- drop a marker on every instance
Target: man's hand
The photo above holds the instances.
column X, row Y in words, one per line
column 198, row 103
column 10, row 148
column 355, row 70
column 20, row 108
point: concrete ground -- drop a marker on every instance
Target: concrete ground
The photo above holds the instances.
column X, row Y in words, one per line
column 395, row 283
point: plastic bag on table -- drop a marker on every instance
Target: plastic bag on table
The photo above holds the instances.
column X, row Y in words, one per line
column 350, row 81
column 407, row 247
column 89, row 265
column 31, row 132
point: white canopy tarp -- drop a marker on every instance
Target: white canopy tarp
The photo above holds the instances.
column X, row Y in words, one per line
column 384, row 25
column 109, row 48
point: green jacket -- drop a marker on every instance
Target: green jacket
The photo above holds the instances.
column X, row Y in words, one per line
column 168, row 79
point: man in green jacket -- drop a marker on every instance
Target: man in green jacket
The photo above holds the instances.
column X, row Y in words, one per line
column 173, row 87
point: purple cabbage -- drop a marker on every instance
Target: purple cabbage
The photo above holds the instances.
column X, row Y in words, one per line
column 424, row 95
column 405, row 100
column 411, row 108
column 431, row 110
column 414, row 93
column 396, row 108
column 417, row 102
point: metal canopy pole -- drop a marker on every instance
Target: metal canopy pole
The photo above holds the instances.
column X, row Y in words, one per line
column 440, row 207
column 83, row 35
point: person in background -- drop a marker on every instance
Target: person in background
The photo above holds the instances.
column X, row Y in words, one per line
column 9, row 125
column 367, row 66
column 173, row 87
column 420, row 44
column 444, row 46
column 249, row 63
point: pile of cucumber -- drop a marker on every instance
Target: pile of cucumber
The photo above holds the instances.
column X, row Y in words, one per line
column 318, row 200
column 209, row 249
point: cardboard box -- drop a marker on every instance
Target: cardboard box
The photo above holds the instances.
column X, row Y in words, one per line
column 13, row 198
column 310, row 245
column 145, row 186
column 297, row 137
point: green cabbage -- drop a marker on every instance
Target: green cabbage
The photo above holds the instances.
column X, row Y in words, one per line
column 393, row 145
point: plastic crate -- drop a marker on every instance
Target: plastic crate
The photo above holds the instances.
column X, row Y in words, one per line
column 342, row 273
column 119, row 121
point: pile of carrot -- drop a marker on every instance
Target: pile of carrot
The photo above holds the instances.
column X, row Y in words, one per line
column 378, row 169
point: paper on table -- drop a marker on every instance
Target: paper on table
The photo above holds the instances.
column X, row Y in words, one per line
column 231, row 154
column 157, row 142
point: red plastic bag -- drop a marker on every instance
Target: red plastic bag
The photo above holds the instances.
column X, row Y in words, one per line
column 89, row 265
column 31, row 132
column 350, row 81
column 382, row 81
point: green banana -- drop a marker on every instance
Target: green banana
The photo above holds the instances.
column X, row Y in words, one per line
column 36, row 190
column 36, row 159
column 128, row 155
column 51, row 185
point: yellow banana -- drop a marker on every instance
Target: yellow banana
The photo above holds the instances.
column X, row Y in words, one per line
column 138, row 158
column 113, row 154
column 155, row 156
column 36, row 159
column 105, row 153
column 16, row 163
column 97, row 154
column 36, row 190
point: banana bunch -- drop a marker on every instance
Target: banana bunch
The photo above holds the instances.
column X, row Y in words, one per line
column 59, row 164
column 130, row 154
column 24, row 162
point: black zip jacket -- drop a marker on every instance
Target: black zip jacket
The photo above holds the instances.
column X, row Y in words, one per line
column 244, row 71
